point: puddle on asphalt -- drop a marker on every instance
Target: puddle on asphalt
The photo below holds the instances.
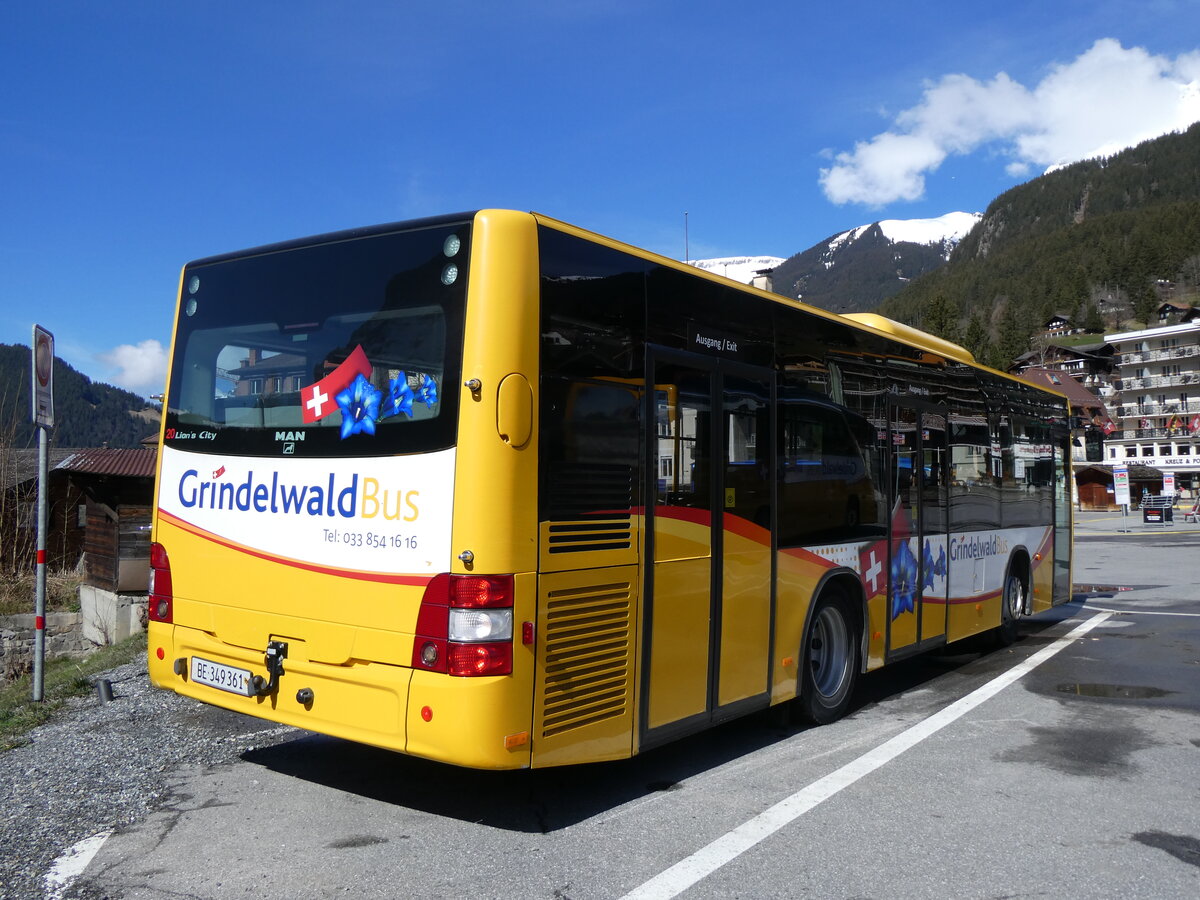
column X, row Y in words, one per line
column 1114, row 691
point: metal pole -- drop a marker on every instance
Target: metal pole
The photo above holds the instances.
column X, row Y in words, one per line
column 39, row 620
column 687, row 253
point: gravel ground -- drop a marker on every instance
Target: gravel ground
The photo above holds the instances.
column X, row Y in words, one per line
column 97, row 767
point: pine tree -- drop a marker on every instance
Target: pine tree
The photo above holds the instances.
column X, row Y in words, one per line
column 1013, row 339
column 1145, row 301
column 941, row 318
column 976, row 338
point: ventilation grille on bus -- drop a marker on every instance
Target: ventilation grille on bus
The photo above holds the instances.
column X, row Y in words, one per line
column 589, row 507
column 587, row 656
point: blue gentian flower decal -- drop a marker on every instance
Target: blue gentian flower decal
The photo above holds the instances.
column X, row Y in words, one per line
column 400, row 397
column 427, row 393
column 359, row 404
column 928, row 568
column 904, row 579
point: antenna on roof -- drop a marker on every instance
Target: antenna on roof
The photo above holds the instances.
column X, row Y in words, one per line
column 687, row 256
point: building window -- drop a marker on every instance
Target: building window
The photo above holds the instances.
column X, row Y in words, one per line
column 1112, row 452
column 1147, row 451
column 1184, row 450
column 1130, row 451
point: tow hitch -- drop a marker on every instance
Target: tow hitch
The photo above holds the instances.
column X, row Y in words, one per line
column 276, row 654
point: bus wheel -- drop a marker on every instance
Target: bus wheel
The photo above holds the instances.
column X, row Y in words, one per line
column 1011, row 609
column 830, row 660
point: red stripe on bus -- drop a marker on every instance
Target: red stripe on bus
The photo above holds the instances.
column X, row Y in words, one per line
column 701, row 517
column 356, row 574
column 738, row 525
column 747, row 529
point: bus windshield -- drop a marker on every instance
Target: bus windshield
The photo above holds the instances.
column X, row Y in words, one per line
column 344, row 349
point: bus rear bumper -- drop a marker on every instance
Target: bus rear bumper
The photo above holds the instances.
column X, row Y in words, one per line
column 424, row 714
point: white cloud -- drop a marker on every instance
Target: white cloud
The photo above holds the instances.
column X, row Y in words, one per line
column 1107, row 99
column 141, row 369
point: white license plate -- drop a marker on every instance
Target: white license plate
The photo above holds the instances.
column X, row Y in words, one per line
column 220, row 676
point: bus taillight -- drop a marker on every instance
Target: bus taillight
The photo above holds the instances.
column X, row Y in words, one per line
column 162, row 592
column 465, row 625
column 481, row 659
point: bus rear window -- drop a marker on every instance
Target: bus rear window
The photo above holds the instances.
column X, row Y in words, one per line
column 321, row 350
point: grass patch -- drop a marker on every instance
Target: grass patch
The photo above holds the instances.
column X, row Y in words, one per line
column 18, row 593
column 63, row 678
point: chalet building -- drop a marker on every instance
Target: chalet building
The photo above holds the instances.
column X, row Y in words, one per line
column 1060, row 325
column 1176, row 313
column 1158, row 401
column 1089, row 364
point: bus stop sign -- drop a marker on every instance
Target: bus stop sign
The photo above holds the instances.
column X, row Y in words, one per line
column 43, row 377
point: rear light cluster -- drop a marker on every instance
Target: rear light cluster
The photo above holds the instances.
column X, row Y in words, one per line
column 162, row 593
column 465, row 626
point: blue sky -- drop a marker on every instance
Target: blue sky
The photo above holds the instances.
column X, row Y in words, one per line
column 137, row 136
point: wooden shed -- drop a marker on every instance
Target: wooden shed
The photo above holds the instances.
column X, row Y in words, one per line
column 1095, row 485
column 117, row 487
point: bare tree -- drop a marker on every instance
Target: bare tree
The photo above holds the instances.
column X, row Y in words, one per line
column 18, row 532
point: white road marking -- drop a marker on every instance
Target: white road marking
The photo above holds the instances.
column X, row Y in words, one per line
column 729, row 846
column 71, row 863
column 1143, row 612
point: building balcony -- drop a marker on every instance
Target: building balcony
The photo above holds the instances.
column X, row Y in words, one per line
column 1145, row 356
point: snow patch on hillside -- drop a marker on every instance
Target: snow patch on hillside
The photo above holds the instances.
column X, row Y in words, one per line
column 950, row 227
column 739, row 268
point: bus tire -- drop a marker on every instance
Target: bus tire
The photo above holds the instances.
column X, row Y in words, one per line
column 829, row 659
column 1012, row 604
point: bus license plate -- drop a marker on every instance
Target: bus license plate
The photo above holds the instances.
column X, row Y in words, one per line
column 220, row 676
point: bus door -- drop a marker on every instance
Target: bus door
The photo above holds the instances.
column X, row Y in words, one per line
column 917, row 609
column 709, row 557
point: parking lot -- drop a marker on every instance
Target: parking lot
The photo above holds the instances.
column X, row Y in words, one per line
column 1063, row 766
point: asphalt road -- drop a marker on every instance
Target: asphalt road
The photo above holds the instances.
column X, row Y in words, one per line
column 1059, row 767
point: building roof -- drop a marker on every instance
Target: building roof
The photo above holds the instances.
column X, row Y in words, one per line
column 1077, row 394
column 136, row 462
column 19, row 466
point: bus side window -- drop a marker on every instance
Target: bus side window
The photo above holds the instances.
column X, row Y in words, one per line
column 826, row 490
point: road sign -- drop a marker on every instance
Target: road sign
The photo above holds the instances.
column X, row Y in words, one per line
column 43, row 377
column 1121, row 485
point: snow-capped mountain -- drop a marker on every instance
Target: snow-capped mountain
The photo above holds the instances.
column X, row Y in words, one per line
column 855, row 270
column 739, row 268
column 944, row 231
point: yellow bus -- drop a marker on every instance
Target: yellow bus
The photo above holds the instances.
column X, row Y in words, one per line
column 493, row 490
